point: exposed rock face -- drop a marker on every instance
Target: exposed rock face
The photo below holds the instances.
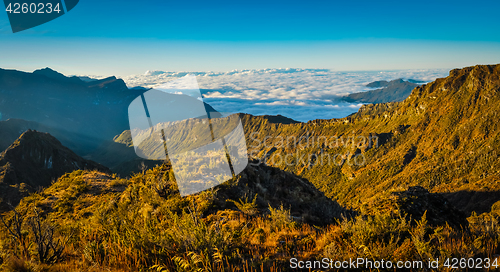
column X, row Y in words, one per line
column 35, row 160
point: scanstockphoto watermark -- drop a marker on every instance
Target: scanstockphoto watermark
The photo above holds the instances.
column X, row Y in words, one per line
column 430, row 264
column 359, row 263
column 310, row 149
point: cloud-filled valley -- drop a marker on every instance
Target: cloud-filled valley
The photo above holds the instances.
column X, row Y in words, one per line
column 301, row 94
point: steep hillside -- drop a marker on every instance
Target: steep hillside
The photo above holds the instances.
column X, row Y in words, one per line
column 32, row 162
column 265, row 186
column 274, row 187
column 445, row 137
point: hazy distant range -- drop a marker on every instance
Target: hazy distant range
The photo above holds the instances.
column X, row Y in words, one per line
column 300, row 94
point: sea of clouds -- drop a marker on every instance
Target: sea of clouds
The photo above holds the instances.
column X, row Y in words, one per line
column 300, row 94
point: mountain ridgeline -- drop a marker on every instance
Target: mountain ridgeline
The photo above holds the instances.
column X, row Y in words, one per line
column 443, row 137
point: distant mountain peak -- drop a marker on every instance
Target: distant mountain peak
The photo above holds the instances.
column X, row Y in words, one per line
column 50, row 73
column 47, row 70
column 388, row 91
column 110, row 81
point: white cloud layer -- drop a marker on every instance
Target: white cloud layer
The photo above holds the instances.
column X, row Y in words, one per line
column 301, row 94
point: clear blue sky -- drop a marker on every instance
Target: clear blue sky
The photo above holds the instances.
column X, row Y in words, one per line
column 130, row 37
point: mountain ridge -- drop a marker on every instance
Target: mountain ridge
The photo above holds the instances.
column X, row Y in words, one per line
column 443, row 137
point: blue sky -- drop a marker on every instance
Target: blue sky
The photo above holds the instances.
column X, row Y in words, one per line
column 130, row 37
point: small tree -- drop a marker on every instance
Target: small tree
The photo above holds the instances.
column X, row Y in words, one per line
column 49, row 250
column 15, row 228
